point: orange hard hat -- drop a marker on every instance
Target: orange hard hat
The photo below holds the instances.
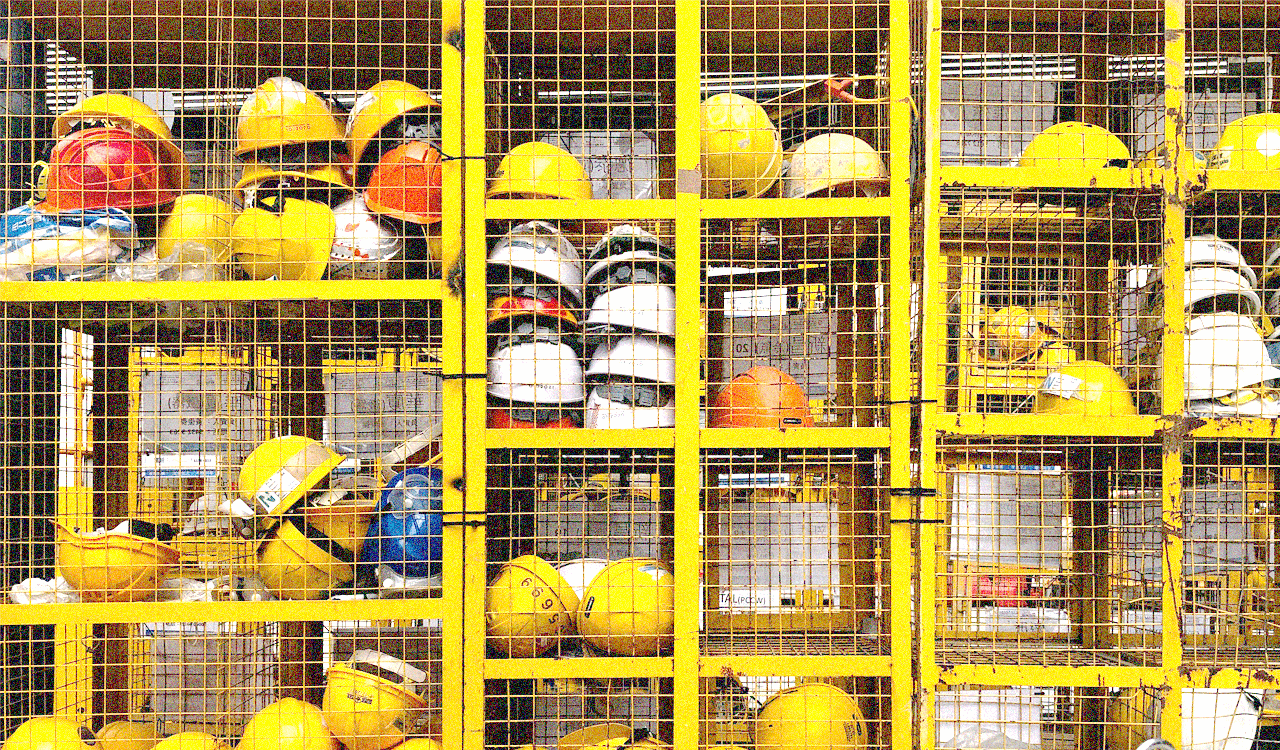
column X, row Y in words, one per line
column 528, row 417
column 106, row 168
column 761, row 397
column 507, row 308
column 406, row 184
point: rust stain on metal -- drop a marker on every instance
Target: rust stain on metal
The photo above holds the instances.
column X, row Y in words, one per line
column 456, row 277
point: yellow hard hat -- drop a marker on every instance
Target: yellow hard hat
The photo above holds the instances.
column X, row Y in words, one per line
column 135, row 116
column 292, row 566
column 280, row 471
column 49, row 733
column 810, row 716
column 593, row 735
column 344, row 524
column 1075, row 144
column 128, row 735
column 741, row 150
column 1250, row 143
column 255, row 173
column 527, row 606
column 540, row 170
column 1086, row 388
column 366, row 710
column 288, row 724
column 419, row 743
column 197, row 229
column 831, row 161
column 280, row 112
column 628, row 741
column 1192, row 163
column 113, row 566
column 378, row 107
column 285, row 239
column 629, row 608
column 1015, row 332
column 192, row 741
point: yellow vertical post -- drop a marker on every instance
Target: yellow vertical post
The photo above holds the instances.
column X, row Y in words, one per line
column 687, row 458
column 472, row 230
column 931, row 334
column 1171, row 396
column 901, row 506
column 454, row 636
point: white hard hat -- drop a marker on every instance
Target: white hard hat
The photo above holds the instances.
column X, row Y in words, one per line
column 539, row 248
column 578, row 573
column 362, row 247
column 636, row 357
column 827, row 161
column 1208, row 250
column 629, row 404
column 644, row 308
column 627, row 238
column 537, row 369
column 1224, row 353
column 1206, row 282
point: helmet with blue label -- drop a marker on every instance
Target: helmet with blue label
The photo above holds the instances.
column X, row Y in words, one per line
column 405, row 536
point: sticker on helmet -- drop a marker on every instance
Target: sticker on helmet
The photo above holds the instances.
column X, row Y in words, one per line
column 1064, row 386
column 274, row 489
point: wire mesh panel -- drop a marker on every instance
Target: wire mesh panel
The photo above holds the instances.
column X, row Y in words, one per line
column 1034, row 716
column 794, row 553
column 791, row 299
column 1228, row 560
column 256, row 142
column 259, row 684
column 577, row 712
column 241, row 456
column 582, row 99
column 781, row 710
column 1011, row 71
column 794, row 99
column 1050, row 554
column 579, row 553
column 1032, row 288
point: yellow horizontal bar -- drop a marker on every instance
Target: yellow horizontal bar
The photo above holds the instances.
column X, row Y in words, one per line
column 1051, row 425
column 1232, row 428
column 826, row 665
column 792, row 208
column 279, row 611
column 801, row 437
column 1057, row 177
column 587, row 667
column 544, row 208
column 1051, row 676
column 1228, row 677
column 658, row 437
column 1243, row 180
column 164, row 291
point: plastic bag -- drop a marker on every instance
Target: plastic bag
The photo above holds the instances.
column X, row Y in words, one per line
column 65, row 246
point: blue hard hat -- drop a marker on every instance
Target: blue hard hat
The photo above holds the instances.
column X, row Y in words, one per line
column 406, row 534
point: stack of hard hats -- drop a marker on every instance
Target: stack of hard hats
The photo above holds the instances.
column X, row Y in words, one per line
column 309, row 547
column 373, row 700
column 763, row 396
column 117, row 565
column 393, row 135
column 402, row 548
column 535, row 374
column 295, row 173
column 741, row 148
column 540, row 170
column 810, row 716
column 288, row 724
column 629, row 288
column 1226, row 366
column 626, row 608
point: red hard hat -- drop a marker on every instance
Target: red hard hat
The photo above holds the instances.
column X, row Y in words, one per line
column 406, row 184
column 106, row 168
column 761, row 397
column 502, row 419
column 505, row 308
